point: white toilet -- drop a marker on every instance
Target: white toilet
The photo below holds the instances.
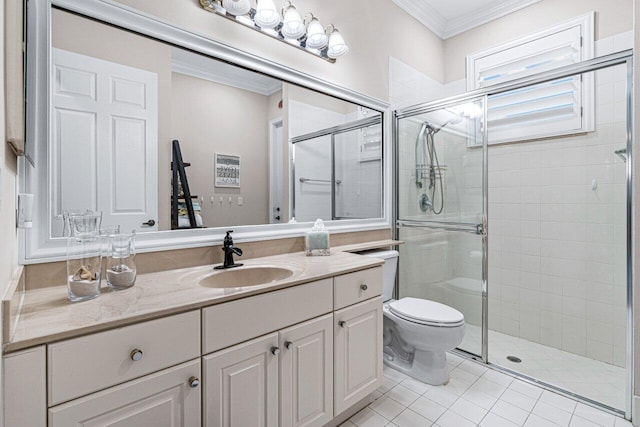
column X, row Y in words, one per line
column 417, row 332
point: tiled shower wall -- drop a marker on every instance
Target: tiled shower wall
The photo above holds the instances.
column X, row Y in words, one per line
column 557, row 247
column 557, row 234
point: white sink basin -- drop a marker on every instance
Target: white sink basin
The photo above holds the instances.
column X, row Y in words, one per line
column 244, row 276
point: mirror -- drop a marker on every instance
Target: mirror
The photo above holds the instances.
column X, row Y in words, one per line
column 255, row 149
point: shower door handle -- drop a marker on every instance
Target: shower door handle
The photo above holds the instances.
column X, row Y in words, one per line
column 465, row 227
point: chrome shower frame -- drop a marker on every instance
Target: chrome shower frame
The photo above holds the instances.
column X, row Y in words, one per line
column 620, row 58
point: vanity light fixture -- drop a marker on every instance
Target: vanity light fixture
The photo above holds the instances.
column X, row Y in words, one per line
column 287, row 26
column 337, row 46
column 266, row 16
column 292, row 25
column 237, row 7
column 316, row 37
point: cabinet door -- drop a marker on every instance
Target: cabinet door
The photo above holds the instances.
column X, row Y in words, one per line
column 306, row 373
column 167, row 398
column 358, row 352
column 241, row 385
column 25, row 388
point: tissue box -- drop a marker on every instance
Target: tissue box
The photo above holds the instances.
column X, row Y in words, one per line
column 317, row 243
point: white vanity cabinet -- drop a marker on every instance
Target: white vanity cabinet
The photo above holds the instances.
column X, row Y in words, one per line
column 358, row 352
column 243, row 382
column 293, row 357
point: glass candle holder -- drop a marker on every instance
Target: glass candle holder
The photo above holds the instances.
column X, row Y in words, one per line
column 121, row 268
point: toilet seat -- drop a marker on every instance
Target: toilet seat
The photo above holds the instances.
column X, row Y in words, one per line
column 426, row 312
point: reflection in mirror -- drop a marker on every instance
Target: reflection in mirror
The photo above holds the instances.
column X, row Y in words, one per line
column 119, row 99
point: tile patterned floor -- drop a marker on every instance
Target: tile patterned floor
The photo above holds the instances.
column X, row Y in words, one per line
column 475, row 396
column 581, row 375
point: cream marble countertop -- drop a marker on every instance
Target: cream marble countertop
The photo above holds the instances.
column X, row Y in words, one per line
column 46, row 315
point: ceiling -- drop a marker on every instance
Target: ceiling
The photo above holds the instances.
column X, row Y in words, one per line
column 447, row 18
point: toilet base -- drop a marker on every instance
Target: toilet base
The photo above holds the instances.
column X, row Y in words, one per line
column 427, row 366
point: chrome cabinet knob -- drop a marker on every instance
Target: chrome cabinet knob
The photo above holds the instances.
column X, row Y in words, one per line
column 364, row 287
column 194, row 382
column 136, row 354
column 342, row 323
column 288, row 344
column 275, row 351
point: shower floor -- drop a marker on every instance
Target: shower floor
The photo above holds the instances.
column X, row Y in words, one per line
column 585, row 377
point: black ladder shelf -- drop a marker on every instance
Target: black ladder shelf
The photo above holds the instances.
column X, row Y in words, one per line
column 178, row 172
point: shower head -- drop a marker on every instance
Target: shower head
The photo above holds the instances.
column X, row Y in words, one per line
column 453, row 121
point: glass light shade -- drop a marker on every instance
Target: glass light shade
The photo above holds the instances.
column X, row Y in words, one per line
column 337, row 46
column 267, row 15
column 292, row 27
column 237, row 7
column 316, row 38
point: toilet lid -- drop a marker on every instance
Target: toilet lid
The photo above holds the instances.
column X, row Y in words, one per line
column 426, row 312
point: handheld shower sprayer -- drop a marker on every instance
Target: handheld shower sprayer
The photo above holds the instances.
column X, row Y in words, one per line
column 428, row 165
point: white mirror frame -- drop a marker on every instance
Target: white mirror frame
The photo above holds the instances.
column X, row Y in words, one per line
column 34, row 244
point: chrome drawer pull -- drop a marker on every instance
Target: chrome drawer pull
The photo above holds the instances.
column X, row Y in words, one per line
column 364, row 287
column 275, row 351
column 342, row 323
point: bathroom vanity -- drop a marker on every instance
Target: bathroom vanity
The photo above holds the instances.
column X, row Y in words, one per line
column 296, row 351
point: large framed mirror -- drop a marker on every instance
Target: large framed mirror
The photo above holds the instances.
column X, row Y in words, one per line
column 261, row 148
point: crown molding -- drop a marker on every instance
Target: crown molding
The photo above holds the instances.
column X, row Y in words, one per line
column 425, row 14
column 194, row 65
column 443, row 28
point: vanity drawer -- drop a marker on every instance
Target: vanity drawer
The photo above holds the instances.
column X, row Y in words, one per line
column 87, row 364
column 231, row 323
column 355, row 287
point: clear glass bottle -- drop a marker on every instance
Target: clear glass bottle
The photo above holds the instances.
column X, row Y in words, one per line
column 84, row 260
column 121, row 261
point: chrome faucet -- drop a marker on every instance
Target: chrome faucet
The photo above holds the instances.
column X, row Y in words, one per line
column 229, row 250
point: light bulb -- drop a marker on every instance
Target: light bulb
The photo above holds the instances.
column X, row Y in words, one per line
column 237, row 7
column 292, row 26
column 267, row 16
column 316, row 38
column 337, row 46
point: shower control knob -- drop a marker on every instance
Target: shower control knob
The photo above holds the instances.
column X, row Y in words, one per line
column 364, row 287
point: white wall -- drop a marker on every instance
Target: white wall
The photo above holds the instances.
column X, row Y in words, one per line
column 612, row 17
column 374, row 30
column 8, row 171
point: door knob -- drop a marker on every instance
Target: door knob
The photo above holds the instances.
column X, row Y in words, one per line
column 278, row 217
column 150, row 223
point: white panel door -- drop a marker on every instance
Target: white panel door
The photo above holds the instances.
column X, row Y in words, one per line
column 104, row 136
column 358, row 352
column 306, row 373
column 241, row 385
column 164, row 399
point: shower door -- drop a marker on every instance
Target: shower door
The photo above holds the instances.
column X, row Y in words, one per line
column 441, row 217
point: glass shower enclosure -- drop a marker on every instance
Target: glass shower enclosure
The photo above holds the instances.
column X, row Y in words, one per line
column 441, row 211
column 525, row 230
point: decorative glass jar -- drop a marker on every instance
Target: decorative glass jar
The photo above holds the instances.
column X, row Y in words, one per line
column 121, row 261
column 84, row 260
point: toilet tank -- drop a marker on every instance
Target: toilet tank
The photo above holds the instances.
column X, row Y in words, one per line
column 388, row 270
